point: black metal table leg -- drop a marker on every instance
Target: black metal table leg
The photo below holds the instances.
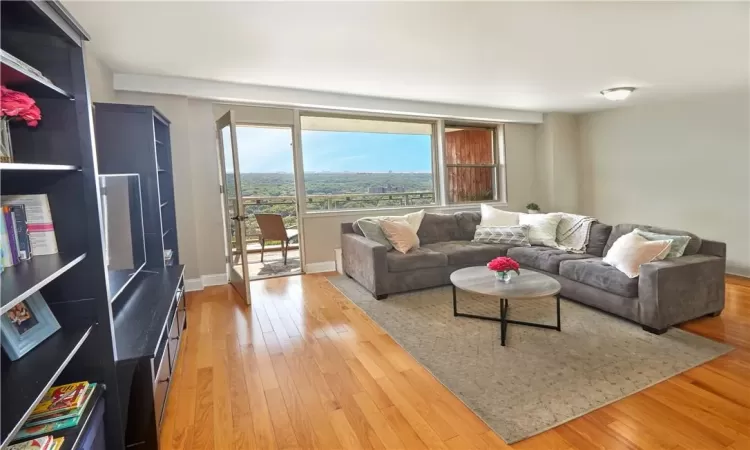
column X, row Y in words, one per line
column 455, row 311
column 503, row 320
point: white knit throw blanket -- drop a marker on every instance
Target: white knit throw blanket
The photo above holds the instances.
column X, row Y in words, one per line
column 573, row 232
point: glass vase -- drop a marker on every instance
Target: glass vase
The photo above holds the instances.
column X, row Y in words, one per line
column 503, row 276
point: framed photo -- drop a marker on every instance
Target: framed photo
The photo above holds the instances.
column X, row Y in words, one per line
column 26, row 325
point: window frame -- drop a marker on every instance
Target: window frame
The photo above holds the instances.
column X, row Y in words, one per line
column 434, row 165
column 499, row 187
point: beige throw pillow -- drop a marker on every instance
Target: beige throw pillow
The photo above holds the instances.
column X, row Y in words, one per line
column 400, row 234
column 631, row 250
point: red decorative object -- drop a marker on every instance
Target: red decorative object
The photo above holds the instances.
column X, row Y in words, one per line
column 504, row 264
column 17, row 105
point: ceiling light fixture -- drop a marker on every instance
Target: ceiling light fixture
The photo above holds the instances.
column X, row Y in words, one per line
column 618, row 93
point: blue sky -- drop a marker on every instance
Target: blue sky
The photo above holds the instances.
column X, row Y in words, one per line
column 270, row 150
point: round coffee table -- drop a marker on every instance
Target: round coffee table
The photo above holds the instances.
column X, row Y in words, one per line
column 528, row 285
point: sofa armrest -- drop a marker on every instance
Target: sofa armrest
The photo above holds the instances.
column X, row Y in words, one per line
column 365, row 261
column 675, row 290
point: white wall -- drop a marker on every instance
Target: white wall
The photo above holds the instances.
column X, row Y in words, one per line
column 99, row 76
column 557, row 163
column 682, row 164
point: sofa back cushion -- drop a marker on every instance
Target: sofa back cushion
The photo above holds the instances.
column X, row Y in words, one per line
column 624, row 228
column 598, row 237
column 467, row 224
column 438, row 228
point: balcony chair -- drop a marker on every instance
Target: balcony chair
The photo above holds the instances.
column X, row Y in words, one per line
column 272, row 229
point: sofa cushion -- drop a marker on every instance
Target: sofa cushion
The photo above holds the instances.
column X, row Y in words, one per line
column 624, row 228
column 595, row 273
column 466, row 253
column 417, row 258
column 543, row 258
column 437, row 228
column 598, row 237
column 467, row 224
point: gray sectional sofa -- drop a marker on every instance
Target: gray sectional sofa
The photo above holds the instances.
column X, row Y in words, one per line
column 667, row 292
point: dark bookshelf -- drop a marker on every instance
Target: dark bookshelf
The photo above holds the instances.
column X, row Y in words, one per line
column 20, row 77
column 20, row 281
column 149, row 314
column 42, row 56
column 26, row 380
column 136, row 139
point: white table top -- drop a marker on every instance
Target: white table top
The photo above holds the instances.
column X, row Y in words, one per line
column 527, row 285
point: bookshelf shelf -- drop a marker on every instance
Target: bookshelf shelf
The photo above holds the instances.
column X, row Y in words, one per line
column 163, row 204
column 20, row 281
column 158, row 142
column 74, row 435
column 33, row 168
column 166, row 232
column 26, row 380
column 18, row 75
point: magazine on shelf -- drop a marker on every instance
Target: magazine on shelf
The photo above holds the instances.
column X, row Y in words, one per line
column 64, row 415
column 40, row 443
column 38, row 221
column 60, row 399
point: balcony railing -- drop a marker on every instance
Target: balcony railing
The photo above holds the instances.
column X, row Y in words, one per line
column 285, row 205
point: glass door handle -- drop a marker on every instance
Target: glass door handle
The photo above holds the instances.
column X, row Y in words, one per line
column 239, row 218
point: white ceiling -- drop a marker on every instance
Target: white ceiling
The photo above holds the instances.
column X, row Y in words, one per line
column 533, row 56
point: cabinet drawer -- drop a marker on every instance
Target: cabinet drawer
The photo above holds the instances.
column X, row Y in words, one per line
column 181, row 309
column 161, row 385
column 174, row 339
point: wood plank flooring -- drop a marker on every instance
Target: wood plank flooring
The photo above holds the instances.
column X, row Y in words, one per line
column 304, row 368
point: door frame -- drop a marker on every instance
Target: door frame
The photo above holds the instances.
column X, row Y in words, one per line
column 297, row 172
column 227, row 120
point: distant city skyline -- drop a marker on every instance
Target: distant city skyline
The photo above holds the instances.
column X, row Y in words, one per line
column 269, row 150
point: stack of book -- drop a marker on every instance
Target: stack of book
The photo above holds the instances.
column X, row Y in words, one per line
column 62, row 407
column 26, row 228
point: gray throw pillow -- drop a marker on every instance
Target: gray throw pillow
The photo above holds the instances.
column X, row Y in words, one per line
column 517, row 235
column 372, row 231
column 679, row 243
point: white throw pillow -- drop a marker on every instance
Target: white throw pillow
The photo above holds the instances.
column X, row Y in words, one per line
column 493, row 217
column 542, row 228
column 631, row 250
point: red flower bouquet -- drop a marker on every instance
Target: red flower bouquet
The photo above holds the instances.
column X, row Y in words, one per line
column 17, row 105
column 502, row 267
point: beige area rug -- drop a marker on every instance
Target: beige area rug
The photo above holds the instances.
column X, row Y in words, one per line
column 542, row 378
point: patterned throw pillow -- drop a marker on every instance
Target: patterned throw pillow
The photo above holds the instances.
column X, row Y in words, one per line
column 679, row 243
column 517, row 235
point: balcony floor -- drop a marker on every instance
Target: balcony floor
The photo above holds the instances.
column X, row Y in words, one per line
column 272, row 265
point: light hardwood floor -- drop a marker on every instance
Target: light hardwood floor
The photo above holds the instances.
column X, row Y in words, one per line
column 304, row 368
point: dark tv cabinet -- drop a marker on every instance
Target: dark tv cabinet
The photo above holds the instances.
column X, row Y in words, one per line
column 149, row 315
column 57, row 158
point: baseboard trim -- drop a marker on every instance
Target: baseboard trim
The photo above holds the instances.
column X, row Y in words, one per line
column 197, row 284
column 193, row 284
column 216, row 279
column 323, row 266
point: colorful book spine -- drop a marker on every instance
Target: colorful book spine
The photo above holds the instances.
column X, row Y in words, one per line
column 22, row 232
column 38, row 221
column 76, row 413
column 10, row 227
column 5, row 252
